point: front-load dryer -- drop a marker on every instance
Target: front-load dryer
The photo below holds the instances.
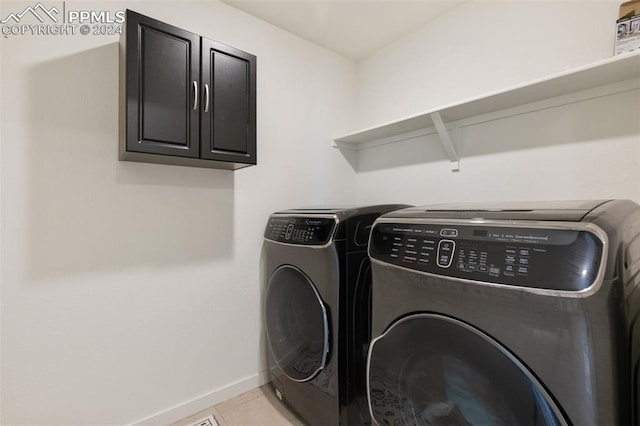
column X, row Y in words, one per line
column 508, row 314
column 317, row 311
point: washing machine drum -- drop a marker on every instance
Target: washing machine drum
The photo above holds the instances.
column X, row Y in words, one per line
column 296, row 324
column 449, row 373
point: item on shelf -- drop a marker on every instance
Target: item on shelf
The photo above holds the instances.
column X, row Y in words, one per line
column 629, row 9
column 628, row 27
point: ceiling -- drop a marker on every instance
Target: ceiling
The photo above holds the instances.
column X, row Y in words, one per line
column 352, row 28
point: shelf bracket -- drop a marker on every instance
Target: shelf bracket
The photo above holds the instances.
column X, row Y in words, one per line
column 447, row 144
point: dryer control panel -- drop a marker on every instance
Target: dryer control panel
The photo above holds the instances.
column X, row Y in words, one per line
column 555, row 259
column 300, row 230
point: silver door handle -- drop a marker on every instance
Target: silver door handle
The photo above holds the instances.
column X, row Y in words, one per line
column 195, row 95
column 206, row 97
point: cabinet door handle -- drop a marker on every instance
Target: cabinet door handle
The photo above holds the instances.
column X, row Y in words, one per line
column 206, row 97
column 195, row 95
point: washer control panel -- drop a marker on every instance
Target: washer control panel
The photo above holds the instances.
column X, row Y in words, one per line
column 557, row 259
column 300, row 230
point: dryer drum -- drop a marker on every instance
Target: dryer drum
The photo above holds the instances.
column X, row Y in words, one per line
column 450, row 373
column 296, row 324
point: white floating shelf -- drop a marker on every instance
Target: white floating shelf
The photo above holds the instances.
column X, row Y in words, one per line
column 613, row 75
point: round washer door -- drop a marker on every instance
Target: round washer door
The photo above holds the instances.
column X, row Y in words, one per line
column 296, row 324
column 429, row 369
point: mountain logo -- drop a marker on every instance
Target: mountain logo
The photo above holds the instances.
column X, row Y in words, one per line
column 39, row 10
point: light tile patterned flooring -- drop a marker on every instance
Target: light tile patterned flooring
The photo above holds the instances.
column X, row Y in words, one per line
column 258, row 407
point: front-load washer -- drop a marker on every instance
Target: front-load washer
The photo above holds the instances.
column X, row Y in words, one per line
column 508, row 314
column 317, row 311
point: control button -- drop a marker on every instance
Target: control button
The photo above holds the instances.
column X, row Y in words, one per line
column 448, row 232
column 483, row 268
column 446, row 246
column 289, row 232
column 510, row 259
column 523, row 270
column 446, row 249
column 523, row 260
column 509, row 268
column 494, row 272
column 523, row 252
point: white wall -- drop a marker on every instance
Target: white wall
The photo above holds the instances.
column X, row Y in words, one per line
column 586, row 150
column 130, row 288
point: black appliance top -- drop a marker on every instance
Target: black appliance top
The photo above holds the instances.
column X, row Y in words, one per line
column 569, row 211
column 343, row 212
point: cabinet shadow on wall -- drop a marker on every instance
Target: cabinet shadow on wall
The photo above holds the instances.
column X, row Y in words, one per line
column 88, row 212
column 588, row 121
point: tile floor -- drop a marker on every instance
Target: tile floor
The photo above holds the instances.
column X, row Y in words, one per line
column 258, row 407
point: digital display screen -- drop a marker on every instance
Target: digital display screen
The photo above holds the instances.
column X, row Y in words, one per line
column 480, row 232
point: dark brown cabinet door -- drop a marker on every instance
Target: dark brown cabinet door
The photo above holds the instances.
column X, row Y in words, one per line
column 228, row 119
column 186, row 100
column 163, row 74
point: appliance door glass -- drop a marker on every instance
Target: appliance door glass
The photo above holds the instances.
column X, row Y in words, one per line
column 428, row 369
column 296, row 324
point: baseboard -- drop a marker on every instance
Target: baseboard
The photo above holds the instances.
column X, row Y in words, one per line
column 209, row 399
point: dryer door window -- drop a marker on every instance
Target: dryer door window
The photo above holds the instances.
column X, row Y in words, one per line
column 296, row 324
column 429, row 369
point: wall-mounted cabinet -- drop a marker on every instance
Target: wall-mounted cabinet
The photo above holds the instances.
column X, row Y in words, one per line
column 614, row 75
column 185, row 100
